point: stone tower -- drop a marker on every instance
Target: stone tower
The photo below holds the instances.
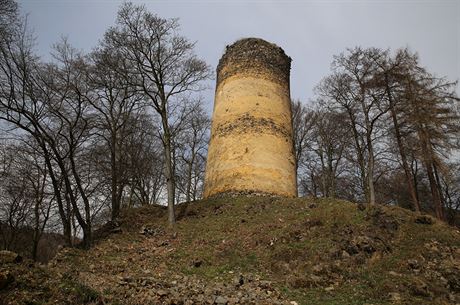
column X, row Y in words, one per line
column 251, row 147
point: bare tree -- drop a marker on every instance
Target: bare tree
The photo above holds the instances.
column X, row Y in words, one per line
column 15, row 202
column 429, row 109
column 321, row 143
column 118, row 106
column 9, row 19
column 330, row 143
column 191, row 146
column 164, row 67
column 36, row 177
column 48, row 102
column 390, row 77
column 450, row 187
column 394, row 107
column 145, row 159
column 351, row 89
column 27, row 172
column 21, row 105
column 71, row 123
column 302, row 120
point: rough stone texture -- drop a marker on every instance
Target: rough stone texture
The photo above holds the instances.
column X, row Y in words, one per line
column 251, row 146
column 256, row 57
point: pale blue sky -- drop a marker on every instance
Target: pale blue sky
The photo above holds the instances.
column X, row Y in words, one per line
column 311, row 32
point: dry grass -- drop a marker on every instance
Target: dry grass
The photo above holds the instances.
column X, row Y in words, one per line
column 312, row 251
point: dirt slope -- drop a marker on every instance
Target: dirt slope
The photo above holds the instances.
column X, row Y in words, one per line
column 254, row 251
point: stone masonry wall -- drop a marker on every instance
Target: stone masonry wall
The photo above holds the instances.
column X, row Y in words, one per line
column 251, row 148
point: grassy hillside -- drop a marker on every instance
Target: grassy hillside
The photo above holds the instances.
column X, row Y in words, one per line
column 255, row 251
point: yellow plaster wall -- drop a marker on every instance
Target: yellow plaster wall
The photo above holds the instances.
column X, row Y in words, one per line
column 251, row 149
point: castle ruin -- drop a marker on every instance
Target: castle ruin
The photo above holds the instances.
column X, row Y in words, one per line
column 251, row 148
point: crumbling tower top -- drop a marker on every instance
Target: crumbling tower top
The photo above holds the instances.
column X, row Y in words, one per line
column 257, row 57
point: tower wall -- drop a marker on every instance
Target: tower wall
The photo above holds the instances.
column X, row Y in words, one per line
column 251, row 146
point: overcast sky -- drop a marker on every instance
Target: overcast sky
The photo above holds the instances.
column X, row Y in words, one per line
column 310, row 32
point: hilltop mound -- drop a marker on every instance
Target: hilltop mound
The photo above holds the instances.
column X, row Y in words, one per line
column 254, row 251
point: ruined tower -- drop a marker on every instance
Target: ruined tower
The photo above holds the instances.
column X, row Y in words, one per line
column 251, row 147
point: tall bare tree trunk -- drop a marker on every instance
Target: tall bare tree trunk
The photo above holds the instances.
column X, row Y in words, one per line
column 439, row 191
column 169, row 171
column 65, row 217
column 36, row 236
column 114, row 178
column 370, row 175
column 189, row 182
column 428, row 161
column 360, row 156
column 410, row 185
column 434, row 192
column 370, row 153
